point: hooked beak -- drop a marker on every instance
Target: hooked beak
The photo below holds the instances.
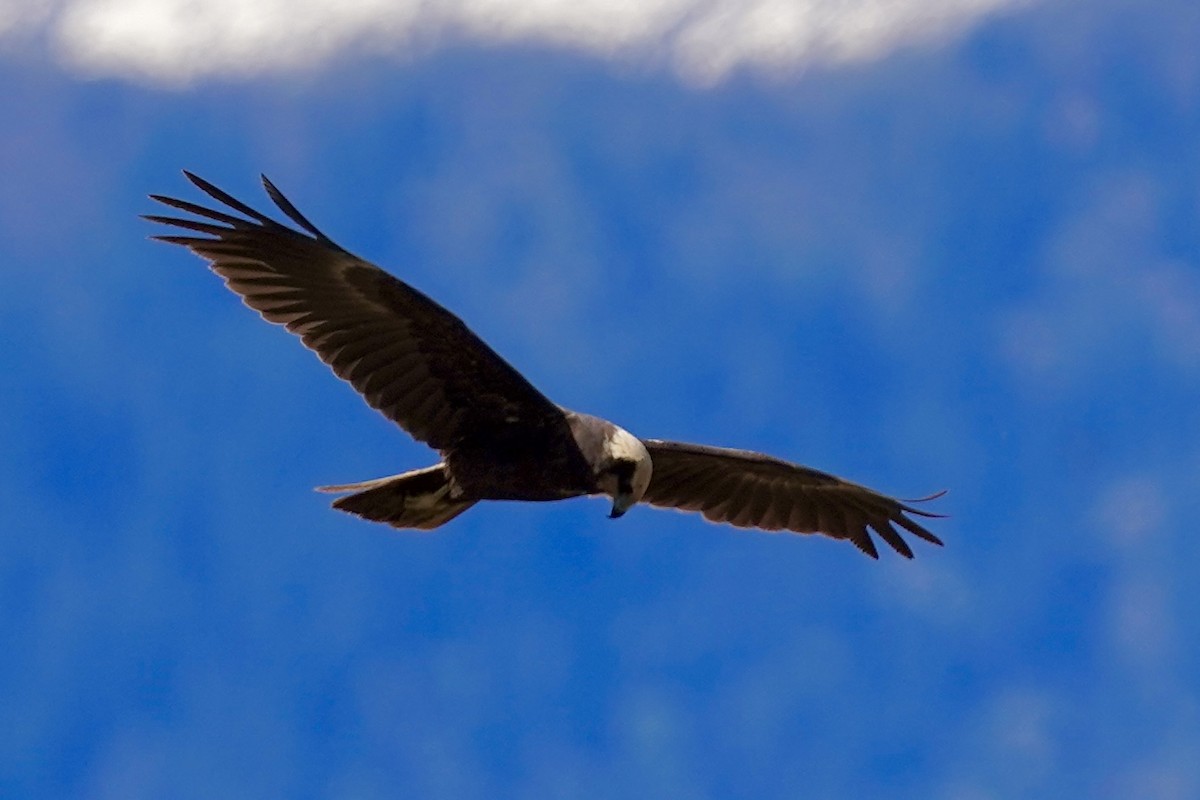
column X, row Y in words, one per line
column 621, row 504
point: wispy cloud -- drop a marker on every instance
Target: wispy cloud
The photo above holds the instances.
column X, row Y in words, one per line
column 176, row 41
column 1109, row 285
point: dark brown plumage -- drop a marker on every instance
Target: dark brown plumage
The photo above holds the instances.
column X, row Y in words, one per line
column 500, row 438
column 752, row 490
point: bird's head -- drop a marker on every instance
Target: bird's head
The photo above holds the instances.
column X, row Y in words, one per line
column 625, row 470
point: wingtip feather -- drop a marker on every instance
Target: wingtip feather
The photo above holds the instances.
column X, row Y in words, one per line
column 885, row 531
column 867, row 548
column 906, row 505
column 917, row 530
column 185, row 241
column 222, row 196
column 287, row 207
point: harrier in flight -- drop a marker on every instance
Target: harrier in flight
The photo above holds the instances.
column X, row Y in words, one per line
column 498, row 436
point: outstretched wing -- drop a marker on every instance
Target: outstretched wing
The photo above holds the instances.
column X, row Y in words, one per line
column 410, row 358
column 752, row 490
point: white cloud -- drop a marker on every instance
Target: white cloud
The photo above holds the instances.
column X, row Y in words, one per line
column 22, row 15
column 175, row 41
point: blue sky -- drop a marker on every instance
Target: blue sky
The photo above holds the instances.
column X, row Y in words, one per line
column 919, row 249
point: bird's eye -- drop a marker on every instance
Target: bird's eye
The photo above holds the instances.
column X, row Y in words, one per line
column 623, row 469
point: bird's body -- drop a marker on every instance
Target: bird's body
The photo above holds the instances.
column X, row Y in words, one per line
column 499, row 437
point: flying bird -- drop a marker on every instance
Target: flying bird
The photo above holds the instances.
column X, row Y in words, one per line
column 498, row 436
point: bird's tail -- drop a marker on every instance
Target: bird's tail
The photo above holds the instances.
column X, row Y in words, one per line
column 418, row 499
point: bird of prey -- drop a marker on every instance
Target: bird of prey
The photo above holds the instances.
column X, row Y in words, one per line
column 498, row 436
